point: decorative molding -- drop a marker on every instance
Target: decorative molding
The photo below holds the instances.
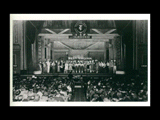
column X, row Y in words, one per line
column 108, row 32
column 16, row 47
column 50, row 31
column 65, row 36
column 65, row 30
column 97, row 31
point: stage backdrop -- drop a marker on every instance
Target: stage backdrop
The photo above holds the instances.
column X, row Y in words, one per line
column 62, row 50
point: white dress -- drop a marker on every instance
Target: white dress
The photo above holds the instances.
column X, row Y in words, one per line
column 70, row 66
column 66, row 67
column 48, row 66
column 58, row 67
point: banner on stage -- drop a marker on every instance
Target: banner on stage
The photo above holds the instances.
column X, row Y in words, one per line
column 79, row 57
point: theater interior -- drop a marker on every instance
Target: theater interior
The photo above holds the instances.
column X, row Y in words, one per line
column 80, row 60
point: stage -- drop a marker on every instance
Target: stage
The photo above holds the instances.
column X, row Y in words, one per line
column 66, row 74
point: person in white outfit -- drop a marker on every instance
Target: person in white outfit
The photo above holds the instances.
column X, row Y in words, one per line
column 48, row 66
column 70, row 66
column 40, row 67
column 58, row 66
column 114, row 66
column 66, row 67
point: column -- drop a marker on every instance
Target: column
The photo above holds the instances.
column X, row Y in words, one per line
column 43, row 49
column 21, row 39
column 110, row 47
column 114, row 48
column 34, row 60
column 52, row 48
column 111, row 56
column 39, row 49
column 107, row 51
column 104, row 51
column 24, row 37
column 49, row 51
column 134, row 44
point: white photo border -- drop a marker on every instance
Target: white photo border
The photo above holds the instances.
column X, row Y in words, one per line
column 77, row 17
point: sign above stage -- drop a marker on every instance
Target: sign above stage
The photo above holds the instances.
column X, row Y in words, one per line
column 79, row 58
column 80, row 30
column 80, row 37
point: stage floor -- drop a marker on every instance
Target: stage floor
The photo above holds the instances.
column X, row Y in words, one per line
column 74, row 74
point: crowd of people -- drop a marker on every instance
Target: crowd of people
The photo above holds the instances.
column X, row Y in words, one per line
column 116, row 89
column 74, row 66
column 106, row 89
column 42, row 89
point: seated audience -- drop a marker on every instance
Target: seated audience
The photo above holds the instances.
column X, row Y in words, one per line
column 116, row 90
column 42, row 89
column 52, row 89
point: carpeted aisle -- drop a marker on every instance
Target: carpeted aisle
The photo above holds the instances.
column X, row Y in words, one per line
column 79, row 95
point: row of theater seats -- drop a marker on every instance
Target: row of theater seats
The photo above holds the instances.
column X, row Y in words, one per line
column 42, row 89
column 116, row 89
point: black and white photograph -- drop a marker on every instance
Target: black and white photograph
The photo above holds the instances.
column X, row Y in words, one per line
column 80, row 60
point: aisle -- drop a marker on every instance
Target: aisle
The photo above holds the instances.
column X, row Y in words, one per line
column 79, row 95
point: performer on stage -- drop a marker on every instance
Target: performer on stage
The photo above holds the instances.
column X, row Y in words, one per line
column 44, row 67
column 48, row 66
column 76, row 67
column 79, row 67
column 114, row 67
column 53, row 67
column 103, row 67
column 66, row 67
column 107, row 67
column 85, row 66
column 90, row 66
column 61, row 66
column 73, row 67
column 82, row 67
column 40, row 66
column 94, row 66
column 111, row 67
column 70, row 66
column 97, row 67
column 58, row 66
column 100, row 67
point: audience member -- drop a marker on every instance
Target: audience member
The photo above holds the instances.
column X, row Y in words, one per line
column 110, row 89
